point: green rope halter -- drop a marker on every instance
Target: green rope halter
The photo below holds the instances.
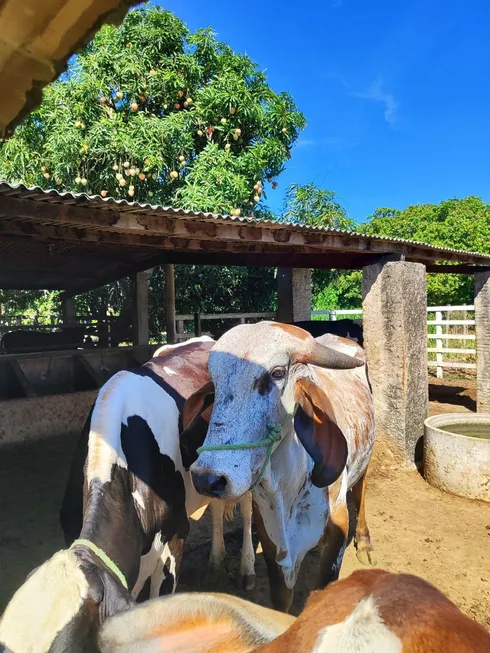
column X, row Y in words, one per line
column 274, row 435
column 110, row 564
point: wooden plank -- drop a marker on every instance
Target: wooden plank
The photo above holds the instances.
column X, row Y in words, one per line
column 443, row 350
column 471, row 366
column 450, row 322
column 451, row 336
column 449, row 309
column 458, row 269
column 22, row 379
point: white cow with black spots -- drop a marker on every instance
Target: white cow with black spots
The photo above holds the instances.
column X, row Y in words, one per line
column 126, row 509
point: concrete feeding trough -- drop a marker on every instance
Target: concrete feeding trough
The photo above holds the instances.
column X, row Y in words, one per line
column 457, row 454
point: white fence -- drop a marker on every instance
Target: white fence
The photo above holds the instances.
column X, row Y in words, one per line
column 440, row 330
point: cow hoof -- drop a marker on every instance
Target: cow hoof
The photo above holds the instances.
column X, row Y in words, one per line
column 248, row 582
column 366, row 557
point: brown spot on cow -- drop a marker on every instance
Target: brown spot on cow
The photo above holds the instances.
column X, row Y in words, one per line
column 292, row 330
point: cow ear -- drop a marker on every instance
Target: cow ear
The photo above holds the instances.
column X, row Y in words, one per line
column 107, row 593
column 195, row 420
column 319, row 433
column 166, row 625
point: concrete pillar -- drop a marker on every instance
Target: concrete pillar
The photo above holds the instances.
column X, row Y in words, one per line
column 170, row 303
column 395, row 340
column 69, row 310
column 482, row 318
column 293, row 294
column 139, row 306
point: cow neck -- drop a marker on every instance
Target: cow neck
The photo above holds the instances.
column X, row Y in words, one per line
column 111, row 523
column 280, row 494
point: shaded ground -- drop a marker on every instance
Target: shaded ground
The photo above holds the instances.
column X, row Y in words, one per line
column 415, row 528
column 452, row 395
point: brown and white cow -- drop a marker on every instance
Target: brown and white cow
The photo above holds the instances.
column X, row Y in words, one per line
column 371, row 611
column 275, row 381
column 128, row 498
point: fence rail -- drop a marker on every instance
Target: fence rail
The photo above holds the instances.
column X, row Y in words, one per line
column 440, row 325
column 102, row 329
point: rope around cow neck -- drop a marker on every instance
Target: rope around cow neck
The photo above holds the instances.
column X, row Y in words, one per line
column 110, row 564
column 274, row 435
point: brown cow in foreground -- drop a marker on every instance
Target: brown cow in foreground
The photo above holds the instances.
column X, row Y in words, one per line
column 371, row 611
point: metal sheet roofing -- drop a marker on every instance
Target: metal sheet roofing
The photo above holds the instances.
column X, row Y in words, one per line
column 103, row 203
column 76, row 241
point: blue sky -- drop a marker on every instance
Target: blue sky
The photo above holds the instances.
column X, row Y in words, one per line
column 397, row 94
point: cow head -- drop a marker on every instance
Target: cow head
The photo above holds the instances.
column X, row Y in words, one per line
column 61, row 606
column 261, row 383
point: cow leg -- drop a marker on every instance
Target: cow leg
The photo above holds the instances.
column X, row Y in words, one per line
column 335, row 543
column 148, row 566
column 247, row 562
column 362, row 540
column 166, row 575
column 218, row 551
column 281, row 595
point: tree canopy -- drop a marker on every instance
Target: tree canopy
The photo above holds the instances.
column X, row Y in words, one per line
column 308, row 204
column 150, row 111
column 456, row 223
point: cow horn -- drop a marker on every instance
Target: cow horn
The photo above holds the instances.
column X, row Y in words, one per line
column 317, row 354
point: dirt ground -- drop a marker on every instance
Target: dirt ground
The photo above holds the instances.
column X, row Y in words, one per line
column 414, row 527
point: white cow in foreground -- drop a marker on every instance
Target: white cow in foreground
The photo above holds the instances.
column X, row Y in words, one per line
column 292, row 421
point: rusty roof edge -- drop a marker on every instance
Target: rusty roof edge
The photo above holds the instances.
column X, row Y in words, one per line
column 98, row 200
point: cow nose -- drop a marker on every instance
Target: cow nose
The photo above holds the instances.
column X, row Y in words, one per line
column 211, row 485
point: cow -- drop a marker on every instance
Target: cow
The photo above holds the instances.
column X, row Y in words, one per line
column 370, row 611
column 293, row 422
column 351, row 329
column 27, row 341
column 125, row 511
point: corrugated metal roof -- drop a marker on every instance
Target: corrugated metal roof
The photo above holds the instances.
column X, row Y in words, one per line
column 52, row 195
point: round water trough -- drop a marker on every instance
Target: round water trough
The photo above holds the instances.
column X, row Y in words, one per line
column 457, row 454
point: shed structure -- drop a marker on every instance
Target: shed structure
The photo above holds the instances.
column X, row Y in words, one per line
column 75, row 243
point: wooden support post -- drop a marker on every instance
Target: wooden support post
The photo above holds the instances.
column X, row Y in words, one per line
column 482, row 320
column 69, row 311
column 197, row 325
column 140, row 309
column 439, row 355
column 170, row 303
column 395, row 340
column 293, row 294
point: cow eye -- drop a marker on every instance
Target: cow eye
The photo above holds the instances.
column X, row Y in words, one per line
column 278, row 373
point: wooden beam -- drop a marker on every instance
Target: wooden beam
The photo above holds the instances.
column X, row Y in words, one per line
column 69, row 308
column 170, row 303
column 140, row 332
column 457, row 269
